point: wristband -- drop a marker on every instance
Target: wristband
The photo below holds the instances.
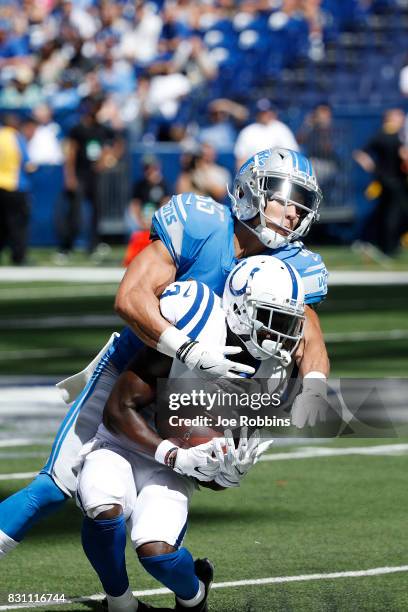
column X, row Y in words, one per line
column 316, row 382
column 164, row 453
column 315, row 374
column 171, row 340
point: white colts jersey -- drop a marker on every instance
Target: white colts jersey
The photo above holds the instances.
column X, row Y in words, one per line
column 192, row 307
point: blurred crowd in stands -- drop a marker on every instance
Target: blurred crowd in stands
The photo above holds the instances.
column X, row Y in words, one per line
column 158, row 64
column 84, row 81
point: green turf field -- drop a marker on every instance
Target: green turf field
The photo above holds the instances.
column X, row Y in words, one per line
column 294, row 517
column 35, row 337
column 291, row 518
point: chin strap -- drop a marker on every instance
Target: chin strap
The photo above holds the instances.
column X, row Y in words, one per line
column 264, row 235
column 260, row 353
column 281, row 355
column 269, row 237
column 286, row 358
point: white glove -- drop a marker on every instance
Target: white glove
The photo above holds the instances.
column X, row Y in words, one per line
column 236, row 463
column 211, row 363
column 208, row 362
column 262, row 448
column 311, row 404
column 196, row 461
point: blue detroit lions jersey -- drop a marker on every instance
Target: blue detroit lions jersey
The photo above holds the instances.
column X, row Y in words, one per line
column 199, row 235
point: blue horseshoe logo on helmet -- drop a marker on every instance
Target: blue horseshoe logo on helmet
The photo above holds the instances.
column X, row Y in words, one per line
column 241, row 291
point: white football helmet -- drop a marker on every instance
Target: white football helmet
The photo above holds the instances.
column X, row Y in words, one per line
column 282, row 175
column 264, row 304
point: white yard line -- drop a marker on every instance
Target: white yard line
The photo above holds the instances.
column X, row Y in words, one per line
column 21, row 455
column 35, row 400
column 320, row 451
column 114, row 275
column 18, row 476
column 12, row 442
column 302, row 453
column 367, row 336
column 68, row 274
column 377, row 571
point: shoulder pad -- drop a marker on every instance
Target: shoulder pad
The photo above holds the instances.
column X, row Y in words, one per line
column 188, row 305
column 186, row 220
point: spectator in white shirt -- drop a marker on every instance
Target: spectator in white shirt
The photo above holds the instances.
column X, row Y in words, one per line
column 45, row 145
column 267, row 132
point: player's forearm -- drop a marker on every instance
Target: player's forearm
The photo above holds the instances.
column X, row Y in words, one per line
column 142, row 313
column 133, row 426
column 314, row 358
column 137, row 299
column 121, row 415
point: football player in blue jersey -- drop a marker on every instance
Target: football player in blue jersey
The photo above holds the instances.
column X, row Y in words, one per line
column 275, row 199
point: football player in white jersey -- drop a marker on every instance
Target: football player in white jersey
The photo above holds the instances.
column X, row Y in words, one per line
column 132, row 475
column 275, row 199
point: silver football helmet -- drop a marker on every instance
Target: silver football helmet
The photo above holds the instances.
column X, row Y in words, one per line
column 282, row 175
column 264, row 304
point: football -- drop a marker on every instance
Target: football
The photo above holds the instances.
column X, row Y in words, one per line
column 188, row 432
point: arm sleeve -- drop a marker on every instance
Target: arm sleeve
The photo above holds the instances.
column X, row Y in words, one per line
column 192, row 307
column 314, row 279
column 168, row 225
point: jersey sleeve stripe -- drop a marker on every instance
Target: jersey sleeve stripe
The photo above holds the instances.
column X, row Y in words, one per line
column 178, row 211
column 181, row 207
column 184, row 321
column 164, row 237
column 319, row 266
column 204, row 318
column 305, row 274
column 312, row 298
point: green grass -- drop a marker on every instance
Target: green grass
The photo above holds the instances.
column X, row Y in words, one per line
column 344, row 258
column 289, row 518
column 68, row 349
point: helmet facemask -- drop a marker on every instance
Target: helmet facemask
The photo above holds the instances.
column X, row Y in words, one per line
column 255, row 185
column 275, row 330
column 264, row 304
column 287, row 193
